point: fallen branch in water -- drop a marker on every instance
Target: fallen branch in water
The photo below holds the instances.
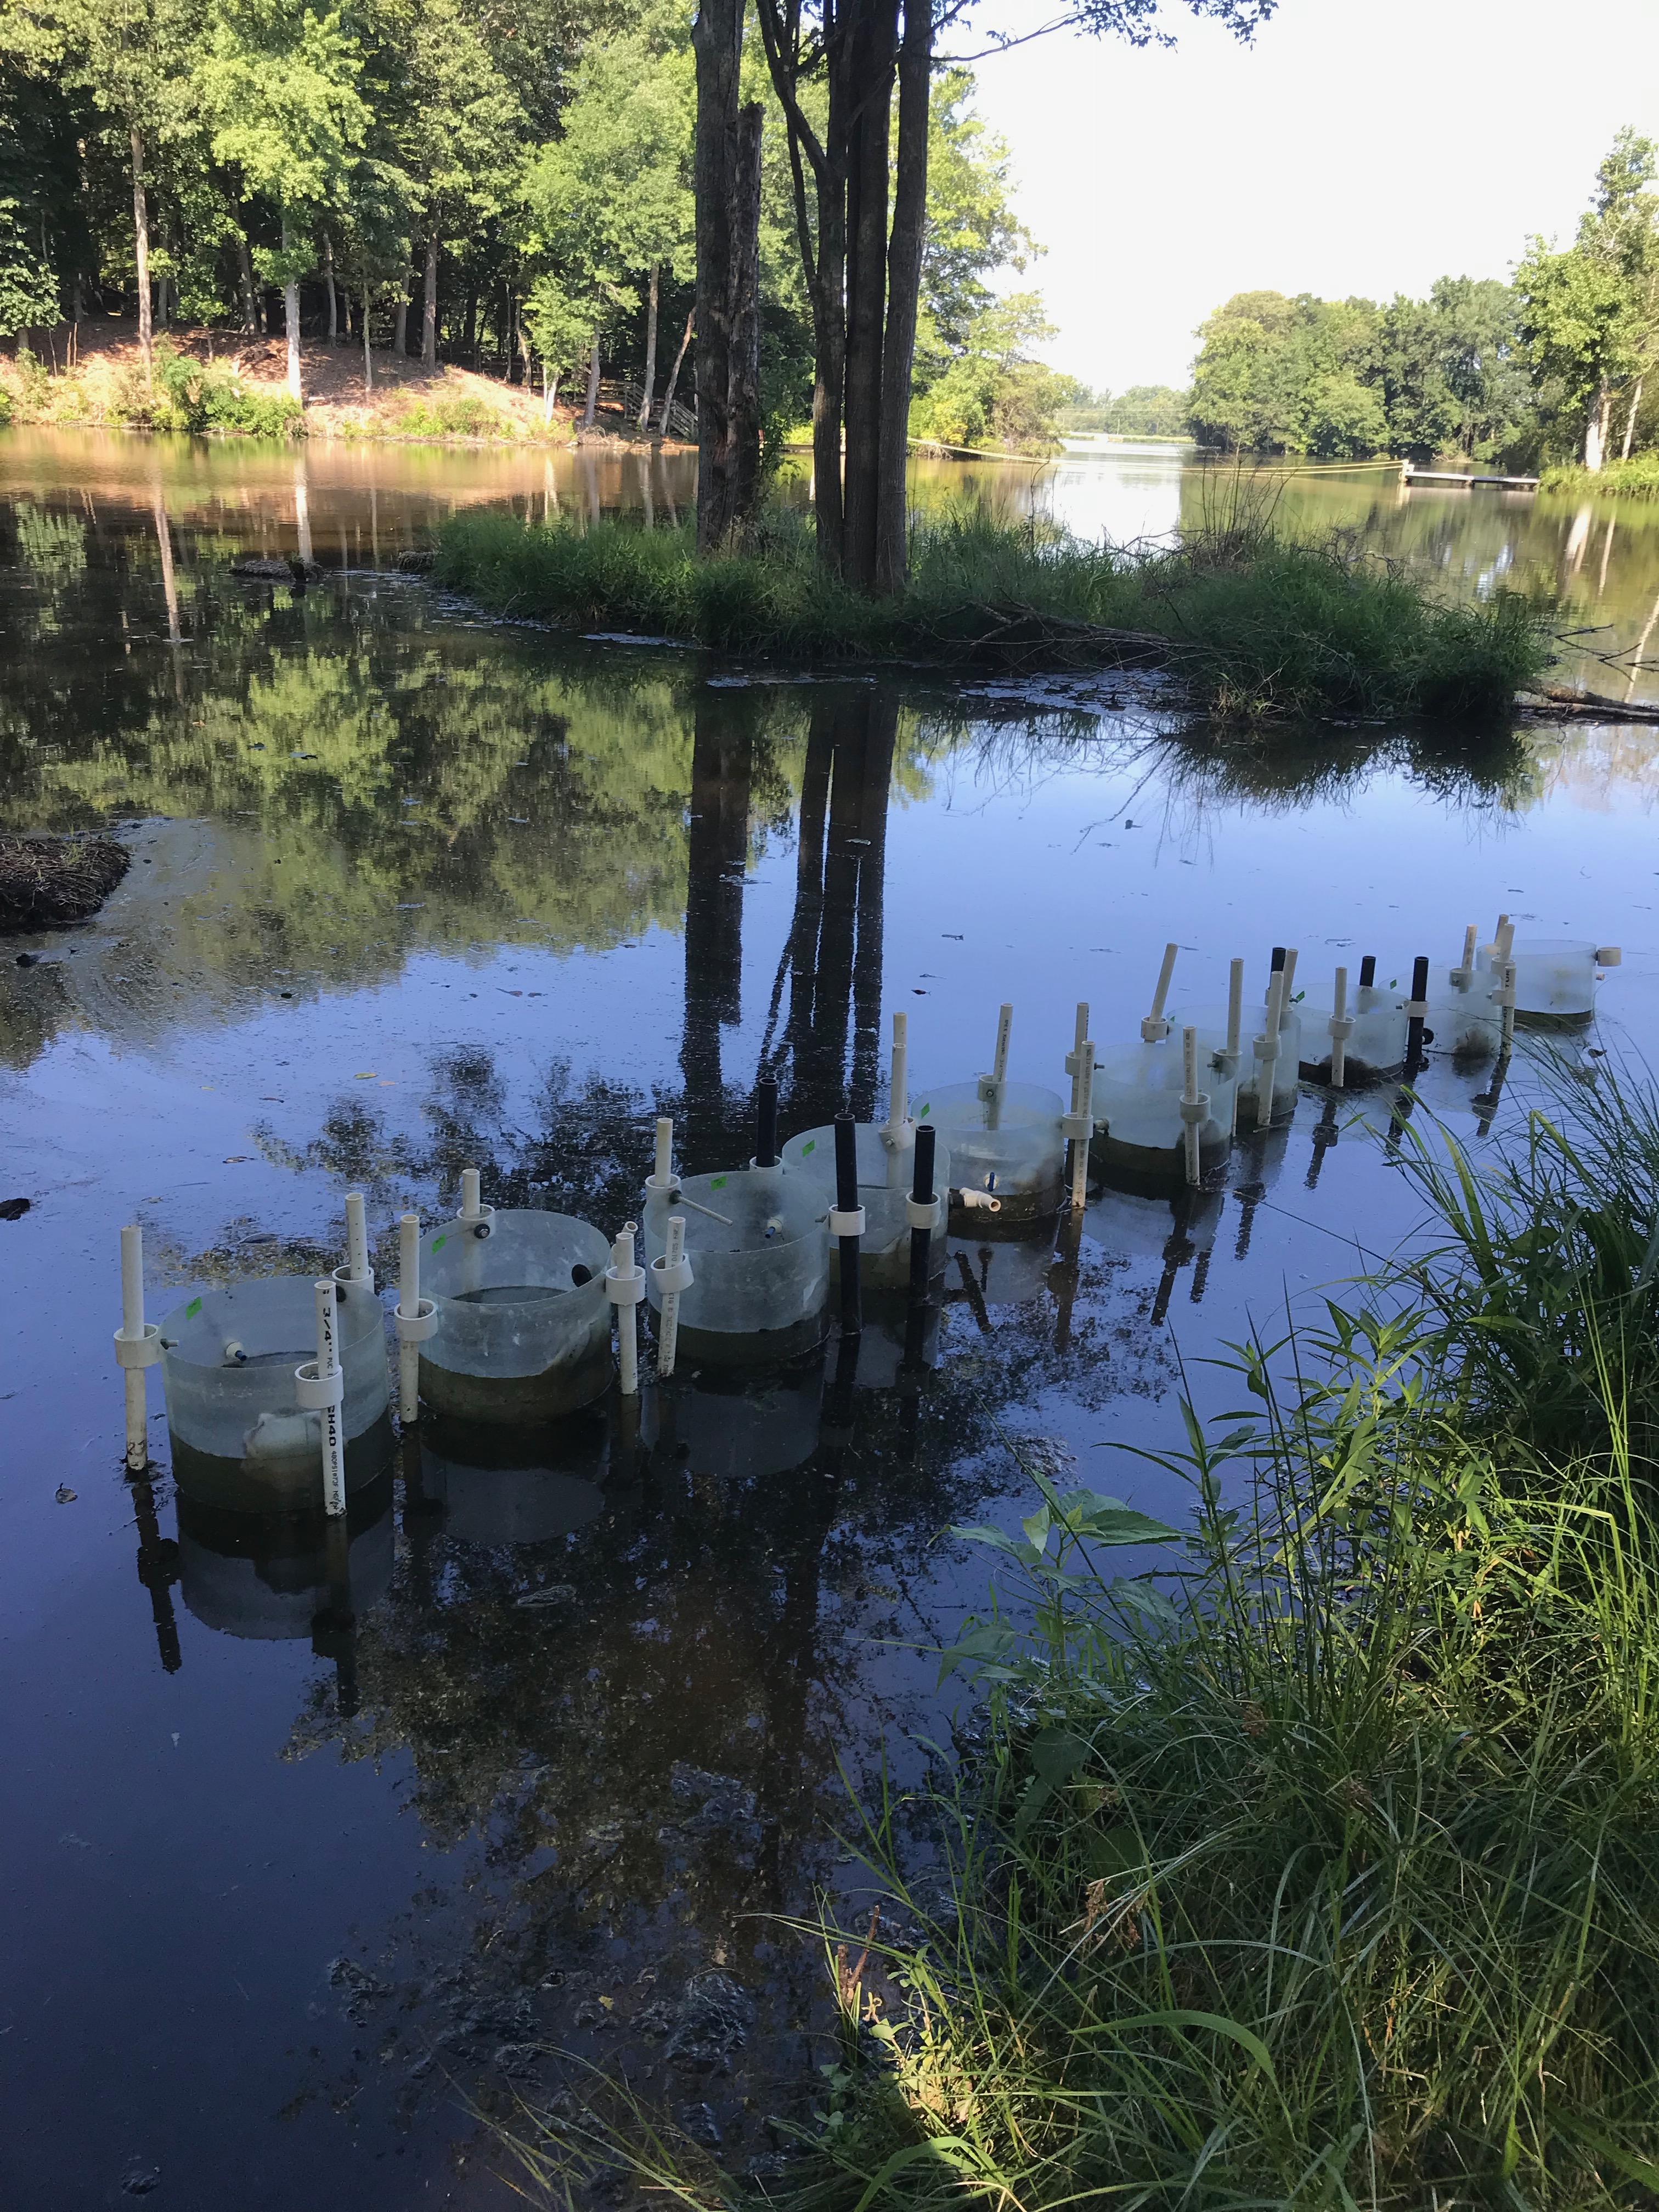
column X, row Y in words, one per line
column 1589, row 706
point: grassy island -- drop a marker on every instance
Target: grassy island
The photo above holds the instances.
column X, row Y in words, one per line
column 1250, row 625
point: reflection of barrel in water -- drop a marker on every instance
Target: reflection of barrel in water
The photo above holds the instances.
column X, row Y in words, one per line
column 284, row 1577
column 1179, row 1231
column 495, row 1485
column 733, row 1426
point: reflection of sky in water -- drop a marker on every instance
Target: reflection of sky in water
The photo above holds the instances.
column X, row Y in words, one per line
column 615, row 885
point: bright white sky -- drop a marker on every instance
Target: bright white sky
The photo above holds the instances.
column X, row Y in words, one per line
column 1359, row 146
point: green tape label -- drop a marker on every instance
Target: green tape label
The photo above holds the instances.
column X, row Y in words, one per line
column 810, row 1145
column 717, row 1182
column 438, row 1243
column 923, row 1112
column 192, row 1309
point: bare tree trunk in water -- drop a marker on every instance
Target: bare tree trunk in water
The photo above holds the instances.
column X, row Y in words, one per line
column 249, row 290
column 916, row 68
column 1596, row 427
column 141, row 239
column 291, row 317
column 430, row 307
column 592, row 407
column 1629, row 419
column 328, row 284
column 674, row 377
column 649, row 393
column 727, row 213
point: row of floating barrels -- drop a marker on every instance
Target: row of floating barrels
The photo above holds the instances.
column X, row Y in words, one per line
column 506, row 1317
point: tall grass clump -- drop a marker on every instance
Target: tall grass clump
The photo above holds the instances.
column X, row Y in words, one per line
column 1249, row 625
column 1636, row 478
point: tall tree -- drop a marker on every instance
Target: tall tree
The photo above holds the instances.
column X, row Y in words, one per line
column 280, row 84
column 1589, row 314
column 728, row 178
column 863, row 255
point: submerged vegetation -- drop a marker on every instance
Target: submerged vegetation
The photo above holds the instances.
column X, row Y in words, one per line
column 1252, row 625
column 1308, row 1861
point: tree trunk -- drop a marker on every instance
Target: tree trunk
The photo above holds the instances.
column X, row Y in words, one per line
column 328, row 282
column 1629, row 419
column 674, row 376
column 291, row 317
column 726, row 179
column 1596, row 427
column 250, row 291
column 430, row 307
column 649, row 392
column 592, row 409
column 916, row 68
column 549, row 393
column 368, row 356
column 400, row 334
column 871, row 68
column 141, row 239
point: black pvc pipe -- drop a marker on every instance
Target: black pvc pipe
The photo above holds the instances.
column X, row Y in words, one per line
column 922, row 1189
column 1414, row 1027
column 1368, row 971
column 846, row 1199
column 766, row 1122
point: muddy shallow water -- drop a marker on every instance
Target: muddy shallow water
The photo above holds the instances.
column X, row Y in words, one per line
column 318, row 1836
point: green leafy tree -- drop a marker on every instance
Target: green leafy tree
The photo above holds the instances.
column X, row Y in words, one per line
column 280, row 84
column 1589, row 314
column 1455, row 379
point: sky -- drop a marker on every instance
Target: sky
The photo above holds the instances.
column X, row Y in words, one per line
column 1357, row 147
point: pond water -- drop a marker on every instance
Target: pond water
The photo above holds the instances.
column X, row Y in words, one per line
column 319, row 1847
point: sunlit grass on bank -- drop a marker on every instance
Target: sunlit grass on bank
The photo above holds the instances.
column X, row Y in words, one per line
column 1305, row 1859
column 1250, row 625
column 1636, row 478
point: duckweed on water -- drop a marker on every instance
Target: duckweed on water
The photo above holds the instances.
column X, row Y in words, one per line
column 1251, row 625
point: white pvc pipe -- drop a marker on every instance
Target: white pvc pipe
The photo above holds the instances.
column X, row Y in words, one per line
column 1340, row 1029
column 1287, row 992
column 471, row 1207
column 1505, row 944
column 668, row 1334
column 1470, row 935
column 1082, row 1103
column 1235, row 1024
column 1082, row 1028
column 1267, row 1064
column 1155, row 1029
column 898, row 1096
column 408, row 1304
column 628, row 1324
column 357, row 1269
column 132, row 1328
column 999, row 1065
column 328, row 1364
column 1189, row 1097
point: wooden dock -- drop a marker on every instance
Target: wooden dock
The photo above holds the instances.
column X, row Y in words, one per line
column 1410, row 476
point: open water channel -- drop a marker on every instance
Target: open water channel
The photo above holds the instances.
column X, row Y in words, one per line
column 306, row 1875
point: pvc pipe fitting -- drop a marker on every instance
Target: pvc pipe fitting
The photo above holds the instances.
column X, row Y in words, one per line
column 417, row 1328
column 848, row 1222
column 1609, row 956
column 625, row 1285
column 662, row 1176
column 979, row 1201
column 673, row 1272
column 326, row 1371
column 1154, row 1028
column 318, row 1394
column 138, row 1345
column 922, row 1214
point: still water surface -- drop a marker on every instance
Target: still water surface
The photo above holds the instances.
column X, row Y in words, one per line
column 304, row 1854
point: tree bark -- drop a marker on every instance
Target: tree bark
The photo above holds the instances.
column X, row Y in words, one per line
column 400, row 335
column 1629, row 419
column 591, row 410
column 726, row 311
column 328, row 284
column 674, row 375
column 916, row 69
column 249, row 290
column 1596, row 427
column 430, row 307
column 368, row 356
column 291, row 317
column 140, row 240
column 870, row 69
column 649, row 392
